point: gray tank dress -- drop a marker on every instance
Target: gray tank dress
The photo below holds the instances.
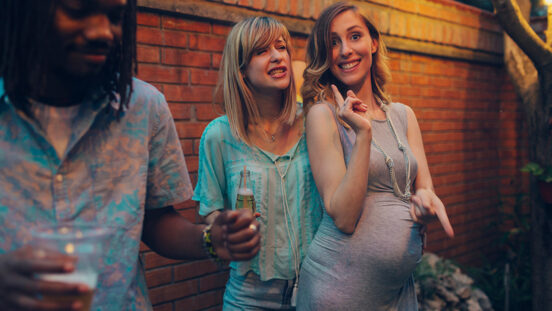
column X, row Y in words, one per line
column 372, row 268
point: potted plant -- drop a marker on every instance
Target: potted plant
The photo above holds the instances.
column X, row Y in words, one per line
column 544, row 178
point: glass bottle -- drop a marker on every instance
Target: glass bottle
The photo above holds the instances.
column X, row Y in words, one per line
column 245, row 198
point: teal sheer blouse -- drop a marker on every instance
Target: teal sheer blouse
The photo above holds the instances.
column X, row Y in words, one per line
column 276, row 180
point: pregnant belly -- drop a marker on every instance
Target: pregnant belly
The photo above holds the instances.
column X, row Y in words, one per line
column 386, row 242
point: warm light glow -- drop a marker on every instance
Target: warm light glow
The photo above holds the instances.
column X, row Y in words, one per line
column 548, row 2
column 69, row 248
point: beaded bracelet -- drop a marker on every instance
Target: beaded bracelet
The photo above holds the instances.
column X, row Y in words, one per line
column 208, row 243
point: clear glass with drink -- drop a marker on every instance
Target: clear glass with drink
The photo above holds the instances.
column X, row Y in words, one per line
column 245, row 197
column 85, row 242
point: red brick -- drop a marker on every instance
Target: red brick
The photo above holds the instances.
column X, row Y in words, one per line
column 159, row 73
column 216, row 60
column 213, row 281
column 187, row 146
column 147, row 19
column 170, row 22
column 221, row 29
column 148, row 54
column 194, row 269
column 257, row 4
column 204, row 77
column 244, row 3
column 159, row 276
column 283, row 7
column 190, row 129
column 173, row 291
column 186, row 58
column 190, row 204
column 163, row 307
column 158, row 86
column 180, row 111
column 175, row 38
column 316, row 8
column 270, row 5
column 306, row 12
column 192, row 163
column 143, row 248
column 154, row 260
column 188, row 94
column 196, row 146
column 409, row 91
column 208, row 112
column 149, row 35
column 189, row 214
column 207, row 43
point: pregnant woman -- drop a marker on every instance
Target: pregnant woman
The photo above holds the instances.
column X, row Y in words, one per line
column 367, row 159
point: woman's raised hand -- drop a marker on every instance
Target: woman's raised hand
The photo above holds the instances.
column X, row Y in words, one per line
column 351, row 110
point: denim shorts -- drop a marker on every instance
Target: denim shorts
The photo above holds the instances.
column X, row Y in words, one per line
column 248, row 292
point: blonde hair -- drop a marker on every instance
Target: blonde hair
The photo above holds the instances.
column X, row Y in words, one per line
column 317, row 76
column 246, row 37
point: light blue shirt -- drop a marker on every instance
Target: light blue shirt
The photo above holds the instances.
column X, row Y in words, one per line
column 111, row 171
column 222, row 158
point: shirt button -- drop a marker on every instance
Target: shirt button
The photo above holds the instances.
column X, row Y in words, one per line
column 59, row 177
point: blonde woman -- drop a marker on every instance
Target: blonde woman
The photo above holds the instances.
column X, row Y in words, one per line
column 368, row 161
column 263, row 132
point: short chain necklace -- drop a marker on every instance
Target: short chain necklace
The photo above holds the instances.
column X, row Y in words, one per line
column 405, row 196
column 269, row 136
column 272, row 137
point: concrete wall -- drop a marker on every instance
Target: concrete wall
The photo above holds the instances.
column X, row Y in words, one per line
column 446, row 60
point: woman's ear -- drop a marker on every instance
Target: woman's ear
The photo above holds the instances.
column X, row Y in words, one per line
column 375, row 45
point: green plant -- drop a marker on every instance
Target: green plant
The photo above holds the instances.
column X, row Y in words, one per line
column 512, row 268
column 542, row 173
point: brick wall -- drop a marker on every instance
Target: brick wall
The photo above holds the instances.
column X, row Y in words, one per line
column 446, row 60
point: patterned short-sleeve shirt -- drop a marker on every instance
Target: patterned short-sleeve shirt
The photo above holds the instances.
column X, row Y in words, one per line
column 110, row 173
column 284, row 191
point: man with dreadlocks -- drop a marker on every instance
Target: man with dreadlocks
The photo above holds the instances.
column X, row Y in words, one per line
column 82, row 141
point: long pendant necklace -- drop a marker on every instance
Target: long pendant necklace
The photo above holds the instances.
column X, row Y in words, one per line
column 405, row 196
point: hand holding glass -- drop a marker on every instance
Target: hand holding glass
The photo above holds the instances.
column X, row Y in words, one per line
column 85, row 242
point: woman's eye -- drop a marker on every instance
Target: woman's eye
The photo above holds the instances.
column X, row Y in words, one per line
column 334, row 42
column 355, row 36
column 282, row 47
column 260, row 52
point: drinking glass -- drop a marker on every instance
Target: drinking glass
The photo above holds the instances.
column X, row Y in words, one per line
column 83, row 241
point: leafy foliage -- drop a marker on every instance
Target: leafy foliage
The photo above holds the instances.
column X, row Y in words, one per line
column 508, row 276
column 542, row 174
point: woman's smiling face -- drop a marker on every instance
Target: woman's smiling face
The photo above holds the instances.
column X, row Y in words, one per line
column 352, row 49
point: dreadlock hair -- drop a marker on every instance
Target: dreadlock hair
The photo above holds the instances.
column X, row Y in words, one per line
column 23, row 38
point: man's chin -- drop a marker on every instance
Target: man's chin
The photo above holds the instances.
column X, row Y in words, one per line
column 85, row 71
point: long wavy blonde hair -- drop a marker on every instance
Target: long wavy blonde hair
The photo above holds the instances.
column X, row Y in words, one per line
column 317, row 75
column 246, row 37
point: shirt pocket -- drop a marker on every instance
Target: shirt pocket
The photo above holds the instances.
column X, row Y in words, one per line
column 119, row 190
